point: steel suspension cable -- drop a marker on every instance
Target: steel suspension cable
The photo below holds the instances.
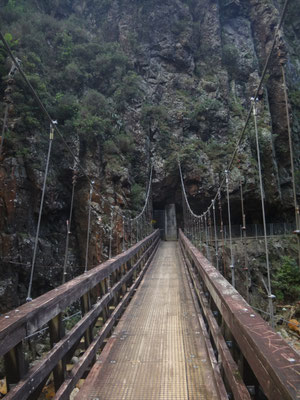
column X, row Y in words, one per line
column 123, row 233
column 88, row 228
column 142, row 215
column 201, row 232
column 4, row 127
column 222, row 232
column 263, row 75
column 137, row 230
column 296, row 205
column 51, row 137
column 244, row 241
column 282, row 16
column 210, row 230
column 266, row 66
column 111, row 234
column 147, row 195
column 47, row 115
column 206, row 237
column 215, row 232
column 269, row 289
column 69, row 222
column 230, row 232
column 184, row 192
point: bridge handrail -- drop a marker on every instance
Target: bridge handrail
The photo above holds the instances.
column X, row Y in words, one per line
column 32, row 316
column 95, row 293
column 274, row 363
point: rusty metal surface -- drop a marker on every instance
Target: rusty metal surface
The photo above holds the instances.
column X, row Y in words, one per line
column 275, row 364
column 157, row 351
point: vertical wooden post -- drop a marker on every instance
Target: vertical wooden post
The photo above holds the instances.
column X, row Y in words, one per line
column 124, row 271
column 116, row 295
column 56, row 330
column 103, row 292
column 85, row 308
column 15, row 365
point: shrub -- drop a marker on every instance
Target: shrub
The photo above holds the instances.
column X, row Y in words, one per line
column 151, row 113
column 67, row 107
column 137, row 196
column 286, row 280
column 230, row 57
column 125, row 142
column 110, row 147
column 128, row 89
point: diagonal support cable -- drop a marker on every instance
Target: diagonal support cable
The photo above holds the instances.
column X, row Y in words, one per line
column 51, row 137
column 262, row 196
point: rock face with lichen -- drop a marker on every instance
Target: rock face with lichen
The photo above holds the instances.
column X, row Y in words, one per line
column 134, row 81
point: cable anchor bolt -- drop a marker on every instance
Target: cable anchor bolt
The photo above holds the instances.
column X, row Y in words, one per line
column 52, row 124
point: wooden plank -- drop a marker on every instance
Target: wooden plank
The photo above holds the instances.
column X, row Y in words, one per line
column 275, row 364
column 42, row 370
column 231, row 370
column 217, row 381
column 30, row 317
column 79, row 369
column 159, row 350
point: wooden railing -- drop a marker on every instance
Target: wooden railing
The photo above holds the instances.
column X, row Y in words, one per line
column 255, row 362
column 103, row 292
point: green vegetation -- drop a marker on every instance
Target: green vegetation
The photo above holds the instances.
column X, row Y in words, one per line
column 85, row 81
column 155, row 119
column 230, row 58
column 294, row 96
column 286, row 280
column 137, row 196
column 206, row 108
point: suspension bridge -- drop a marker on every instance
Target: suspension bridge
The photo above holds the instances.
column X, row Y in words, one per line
column 162, row 319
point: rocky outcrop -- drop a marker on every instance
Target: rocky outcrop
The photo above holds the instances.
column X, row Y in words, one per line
column 134, row 82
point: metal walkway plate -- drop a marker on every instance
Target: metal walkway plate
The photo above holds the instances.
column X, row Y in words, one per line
column 157, row 351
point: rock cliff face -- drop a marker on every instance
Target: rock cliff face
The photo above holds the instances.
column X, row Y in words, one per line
column 132, row 81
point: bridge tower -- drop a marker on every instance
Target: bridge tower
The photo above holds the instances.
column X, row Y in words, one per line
column 170, row 222
column 166, row 221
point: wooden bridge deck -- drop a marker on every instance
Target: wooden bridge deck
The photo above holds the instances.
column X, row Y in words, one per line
column 157, row 351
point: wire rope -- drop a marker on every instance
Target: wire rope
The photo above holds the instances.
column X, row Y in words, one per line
column 266, row 66
column 88, row 229
column 215, row 233
column 69, row 222
column 4, row 127
column 50, row 120
column 296, row 205
column 230, row 230
column 51, row 137
column 147, row 195
column 262, row 195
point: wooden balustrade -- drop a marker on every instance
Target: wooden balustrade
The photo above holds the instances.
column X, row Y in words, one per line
column 251, row 354
column 124, row 272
